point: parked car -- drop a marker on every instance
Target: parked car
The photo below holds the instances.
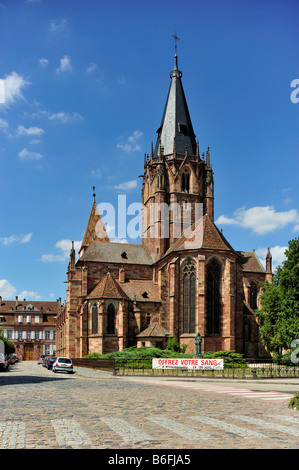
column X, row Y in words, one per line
column 10, row 359
column 50, row 361
column 44, row 364
column 15, row 358
column 41, row 359
column 3, row 363
column 63, row 364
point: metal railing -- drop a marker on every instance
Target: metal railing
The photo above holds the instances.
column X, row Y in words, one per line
column 245, row 368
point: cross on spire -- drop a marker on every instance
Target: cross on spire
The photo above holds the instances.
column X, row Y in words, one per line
column 176, row 39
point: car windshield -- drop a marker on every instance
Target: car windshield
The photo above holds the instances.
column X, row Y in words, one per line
column 65, row 360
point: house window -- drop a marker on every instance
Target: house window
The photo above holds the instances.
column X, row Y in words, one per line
column 110, row 319
column 36, row 335
column 94, row 320
column 253, row 295
column 213, row 297
column 189, row 298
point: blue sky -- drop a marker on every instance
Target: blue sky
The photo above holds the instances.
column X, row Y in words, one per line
column 85, row 87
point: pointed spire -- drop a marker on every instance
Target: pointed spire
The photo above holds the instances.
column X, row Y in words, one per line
column 176, row 122
column 95, row 230
column 208, row 157
column 269, row 262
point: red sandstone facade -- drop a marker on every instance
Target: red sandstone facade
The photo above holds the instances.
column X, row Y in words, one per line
column 120, row 295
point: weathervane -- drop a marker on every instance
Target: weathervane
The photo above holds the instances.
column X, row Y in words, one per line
column 94, row 194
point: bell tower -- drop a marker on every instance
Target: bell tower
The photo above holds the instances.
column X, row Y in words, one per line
column 178, row 185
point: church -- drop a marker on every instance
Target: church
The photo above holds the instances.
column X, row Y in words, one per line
column 183, row 278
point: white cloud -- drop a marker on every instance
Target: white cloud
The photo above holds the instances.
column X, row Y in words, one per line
column 64, row 117
column 16, row 238
column 4, row 125
column 132, row 142
column 27, row 155
column 29, row 295
column 91, row 68
column 7, row 290
column 59, row 26
column 277, row 252
column 64, row 247
column 30, row 130
column 97, row 173
column 65, row 65
column 13, row 86
column 127, row 185
column 260, row 220
column 43, row 62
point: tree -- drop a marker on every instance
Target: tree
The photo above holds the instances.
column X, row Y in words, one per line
column 9, row 346
column 278, row 316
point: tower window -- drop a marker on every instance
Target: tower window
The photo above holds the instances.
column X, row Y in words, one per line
column 186, row 181
column 183, row 129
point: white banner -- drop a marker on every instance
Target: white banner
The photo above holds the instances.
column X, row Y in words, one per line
column 195, row 363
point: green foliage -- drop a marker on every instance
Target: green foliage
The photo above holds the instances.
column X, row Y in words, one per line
column 8, row 345
column 231, row 358
column 279, row 314
column 174, row 345
column 294, row 402
column 140, row 353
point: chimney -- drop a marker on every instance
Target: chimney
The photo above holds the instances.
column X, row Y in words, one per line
column 16, row 301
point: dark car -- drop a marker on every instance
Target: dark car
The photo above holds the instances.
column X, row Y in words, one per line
column 10, row 359
column 49, row 362
column 3, row 363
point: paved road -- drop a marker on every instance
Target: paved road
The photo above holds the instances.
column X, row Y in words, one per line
column 95, row 410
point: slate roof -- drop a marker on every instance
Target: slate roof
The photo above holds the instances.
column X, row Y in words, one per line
column 153, row 330
column 176, row 122
column 107, row 288
column 122, row 253
column 250, row 262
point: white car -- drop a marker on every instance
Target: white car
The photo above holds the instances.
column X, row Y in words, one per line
column 63, row 364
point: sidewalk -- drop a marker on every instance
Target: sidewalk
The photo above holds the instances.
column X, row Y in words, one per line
column 95, row 373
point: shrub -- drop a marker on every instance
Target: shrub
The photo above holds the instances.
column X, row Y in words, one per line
column 294, row 402
column 231, row 358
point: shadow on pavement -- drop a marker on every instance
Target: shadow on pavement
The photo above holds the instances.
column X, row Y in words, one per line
column 6, row 379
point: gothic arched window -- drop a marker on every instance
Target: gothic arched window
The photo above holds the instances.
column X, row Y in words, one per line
column 94, row 319
column 213, row 297
column 186, row 181
column 189, row 298
column 253, row 295
column 110, row 319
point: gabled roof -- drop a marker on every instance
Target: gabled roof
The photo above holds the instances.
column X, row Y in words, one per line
column 154, row 330
column 107, row 288
column 204, row 235
column 95, row 230
column 176, row 122
column 250, row 262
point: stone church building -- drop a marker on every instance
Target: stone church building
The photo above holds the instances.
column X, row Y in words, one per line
column 182, row 279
